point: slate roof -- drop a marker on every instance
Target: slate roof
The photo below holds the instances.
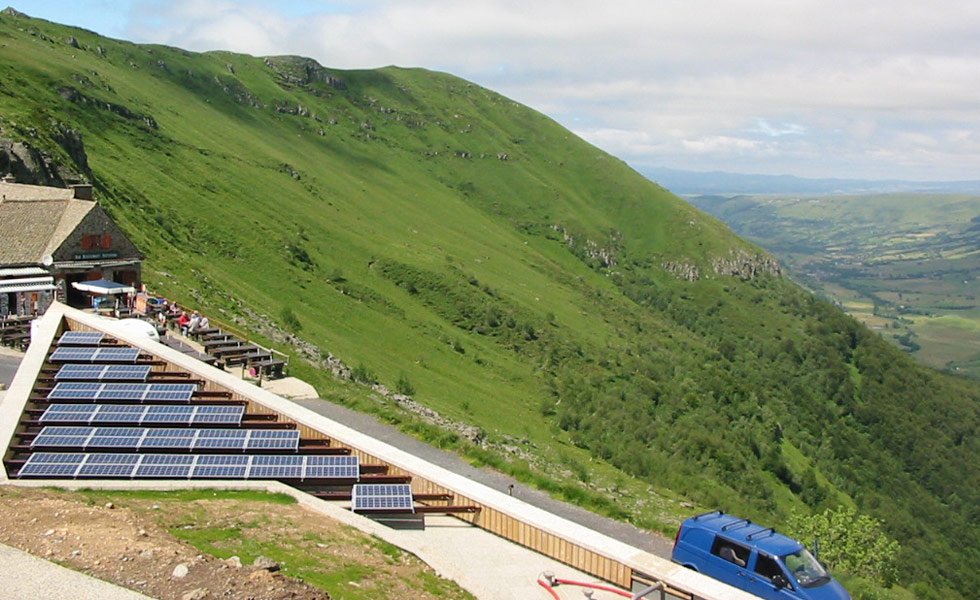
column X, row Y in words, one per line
column 35, row 220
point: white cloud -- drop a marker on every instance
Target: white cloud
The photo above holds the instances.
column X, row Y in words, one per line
column 813, row 87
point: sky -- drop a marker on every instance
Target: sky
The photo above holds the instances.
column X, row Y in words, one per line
column 872, row 89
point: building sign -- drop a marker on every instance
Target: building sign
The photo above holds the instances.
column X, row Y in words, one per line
column 95, row 255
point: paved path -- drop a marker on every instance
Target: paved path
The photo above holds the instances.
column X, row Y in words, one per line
column 25, row 576
column 369, row 425
column 9, row 361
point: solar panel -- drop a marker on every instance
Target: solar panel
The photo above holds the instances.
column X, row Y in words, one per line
column 94, row 355
column 164, row 471
column 47, row 464
column 68, row 413
column 276, row 472
column 213, row 415
column 80, row 338
column 332, row 467
column 116, row 355
column 103, row 372
column 48, row 470
column 126, row 372
column 273, row 440
column 182, row 466
column 382, row 497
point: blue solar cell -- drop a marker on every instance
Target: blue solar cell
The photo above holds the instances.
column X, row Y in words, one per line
column 275, row 472
column 119, row 431
column 168, row 459
column 271, row 460
column 48, row 470
column 77, row 355
column 222, row 459
column 105, row 470
column 272, row 444
column 167, row 442
column 126, row 372
column 331, row 472
column 219, row 444
column 221, row 472
column 73, row 390
column 80, row 338
column 56, row 457
column 103, row 372
column 112, row 459
column 66, row 431
column 346, row 459
column 381, row 497
column 126, row 355
column 167, row 471
column 226, row 434
column 63, row 441
column 69, row 408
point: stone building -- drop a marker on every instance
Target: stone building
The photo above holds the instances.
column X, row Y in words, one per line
column 53, row 237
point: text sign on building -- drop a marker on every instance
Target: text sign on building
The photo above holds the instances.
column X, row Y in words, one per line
column 95, row 255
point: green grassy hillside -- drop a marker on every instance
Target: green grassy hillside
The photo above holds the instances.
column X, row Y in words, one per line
column 443, row 239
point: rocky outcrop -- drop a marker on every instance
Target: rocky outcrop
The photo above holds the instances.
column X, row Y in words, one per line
column 76, row 97
column 32, row 165
column 296, row 70
column 746, row 265
column 590, row 250
column 682, row 270
column 739, row 263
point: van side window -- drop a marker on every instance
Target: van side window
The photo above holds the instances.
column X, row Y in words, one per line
column 768, row 567
column 730, row 551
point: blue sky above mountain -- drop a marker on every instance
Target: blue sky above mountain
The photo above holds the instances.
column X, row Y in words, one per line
column 876, row 90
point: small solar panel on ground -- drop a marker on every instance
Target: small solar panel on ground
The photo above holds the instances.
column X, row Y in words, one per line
column 382, row 498
column 80, row 338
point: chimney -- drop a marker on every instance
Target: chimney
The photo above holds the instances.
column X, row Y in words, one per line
column 83, row 191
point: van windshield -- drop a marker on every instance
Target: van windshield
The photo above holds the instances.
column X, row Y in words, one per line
column 806, row 569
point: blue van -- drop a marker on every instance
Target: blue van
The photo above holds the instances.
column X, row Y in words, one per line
column 753, row 558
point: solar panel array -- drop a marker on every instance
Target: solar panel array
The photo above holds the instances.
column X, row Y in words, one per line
column 94, row 355
column 142, row 438
column 135, row 392
column 81, row 338
column 189, row 466
column 377, row 497
column 103, row 372
column 143, row 414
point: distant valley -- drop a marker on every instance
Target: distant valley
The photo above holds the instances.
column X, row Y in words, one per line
column 906, row 265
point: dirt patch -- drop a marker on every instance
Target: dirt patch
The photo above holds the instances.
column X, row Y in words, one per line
column 169, row 546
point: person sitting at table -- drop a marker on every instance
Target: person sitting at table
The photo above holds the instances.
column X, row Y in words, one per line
column 202, row 324
column 182, row 321
column 191, row 324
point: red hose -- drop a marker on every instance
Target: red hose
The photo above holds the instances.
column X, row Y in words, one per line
column 547, row 586
column 595, row 586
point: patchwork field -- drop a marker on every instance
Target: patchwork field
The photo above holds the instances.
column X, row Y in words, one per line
column 905, row 265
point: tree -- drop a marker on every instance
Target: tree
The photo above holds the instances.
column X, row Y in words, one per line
column 852, row 543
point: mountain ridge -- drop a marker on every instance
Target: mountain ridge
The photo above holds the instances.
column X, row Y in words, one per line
column 688, row 183
column 515, row 278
